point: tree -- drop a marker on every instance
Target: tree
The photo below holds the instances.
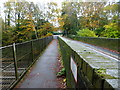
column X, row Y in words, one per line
column 45, row 29
column 22, row 20
column 69, row 18
column 112, row 12
column 91, row 15
column 51, row 12
column 26, row 30
column 1, row 28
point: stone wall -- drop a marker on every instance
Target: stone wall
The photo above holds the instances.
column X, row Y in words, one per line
column 109, row 43
column 94, row 70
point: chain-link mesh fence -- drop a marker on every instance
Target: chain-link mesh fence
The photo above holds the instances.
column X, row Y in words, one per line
column 17, row 58
column 8, row 70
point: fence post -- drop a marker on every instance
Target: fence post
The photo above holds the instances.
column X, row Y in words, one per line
column 40, row 45
column 15, row 61
column 32, row 50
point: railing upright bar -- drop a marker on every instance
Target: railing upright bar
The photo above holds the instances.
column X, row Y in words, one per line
column 32, row 51
column 15, row 61
column 40, row 45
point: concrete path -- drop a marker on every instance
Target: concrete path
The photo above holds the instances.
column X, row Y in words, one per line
column 43, row 74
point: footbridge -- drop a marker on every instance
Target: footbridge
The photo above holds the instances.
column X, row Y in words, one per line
column 89, row 63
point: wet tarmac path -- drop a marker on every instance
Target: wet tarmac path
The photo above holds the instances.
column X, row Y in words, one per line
column 43, row 74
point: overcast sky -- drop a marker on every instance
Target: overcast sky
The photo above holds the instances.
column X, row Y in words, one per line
column 45, row 1
column 35, row 1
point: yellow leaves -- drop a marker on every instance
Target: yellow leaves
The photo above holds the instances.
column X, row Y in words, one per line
column 49, row 34
column 48, row 26
column 45, row 25
column 54, row 20
column 65, row 16
column 111, row 25
column 61, row 23
column 28, row 22
column 86, row 33
column 42, row 29
column 22, row 26
column 12, row 0
column 52, row 3
column 59, row 18
column 111, row 30
column 64, row 80
column 94, row 24
column 28, row 29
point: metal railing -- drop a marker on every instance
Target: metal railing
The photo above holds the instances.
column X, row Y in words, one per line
column 17, row 58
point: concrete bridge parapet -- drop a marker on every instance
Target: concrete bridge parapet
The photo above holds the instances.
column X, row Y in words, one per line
column 87, row 68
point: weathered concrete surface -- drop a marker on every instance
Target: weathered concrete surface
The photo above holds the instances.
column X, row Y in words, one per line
column 92, row 56
column 90, row 61
column 43, row 73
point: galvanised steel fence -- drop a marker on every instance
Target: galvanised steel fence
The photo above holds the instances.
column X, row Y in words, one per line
column 109, row 43
column 17, row 58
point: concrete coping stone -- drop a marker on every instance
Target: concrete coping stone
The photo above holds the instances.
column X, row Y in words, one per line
column 113, row 83
column 97, row 60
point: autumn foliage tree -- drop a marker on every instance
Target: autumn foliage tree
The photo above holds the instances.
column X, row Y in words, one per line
column 94, row 16
column 45, row 29
column 24, row 21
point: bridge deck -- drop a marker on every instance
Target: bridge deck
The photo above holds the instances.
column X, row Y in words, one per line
column 43, row 74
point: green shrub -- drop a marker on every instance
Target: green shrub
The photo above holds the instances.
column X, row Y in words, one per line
column 61, row 73
column 86, row 33
column 111, row 31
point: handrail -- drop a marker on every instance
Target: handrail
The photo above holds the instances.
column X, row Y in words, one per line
column 30, row 49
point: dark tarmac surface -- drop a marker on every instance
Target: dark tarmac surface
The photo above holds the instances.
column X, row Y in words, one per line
column 43, row 74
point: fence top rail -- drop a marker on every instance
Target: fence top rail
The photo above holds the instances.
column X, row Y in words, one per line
column 23, row 42
column 6, row 46
column 96, row 37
